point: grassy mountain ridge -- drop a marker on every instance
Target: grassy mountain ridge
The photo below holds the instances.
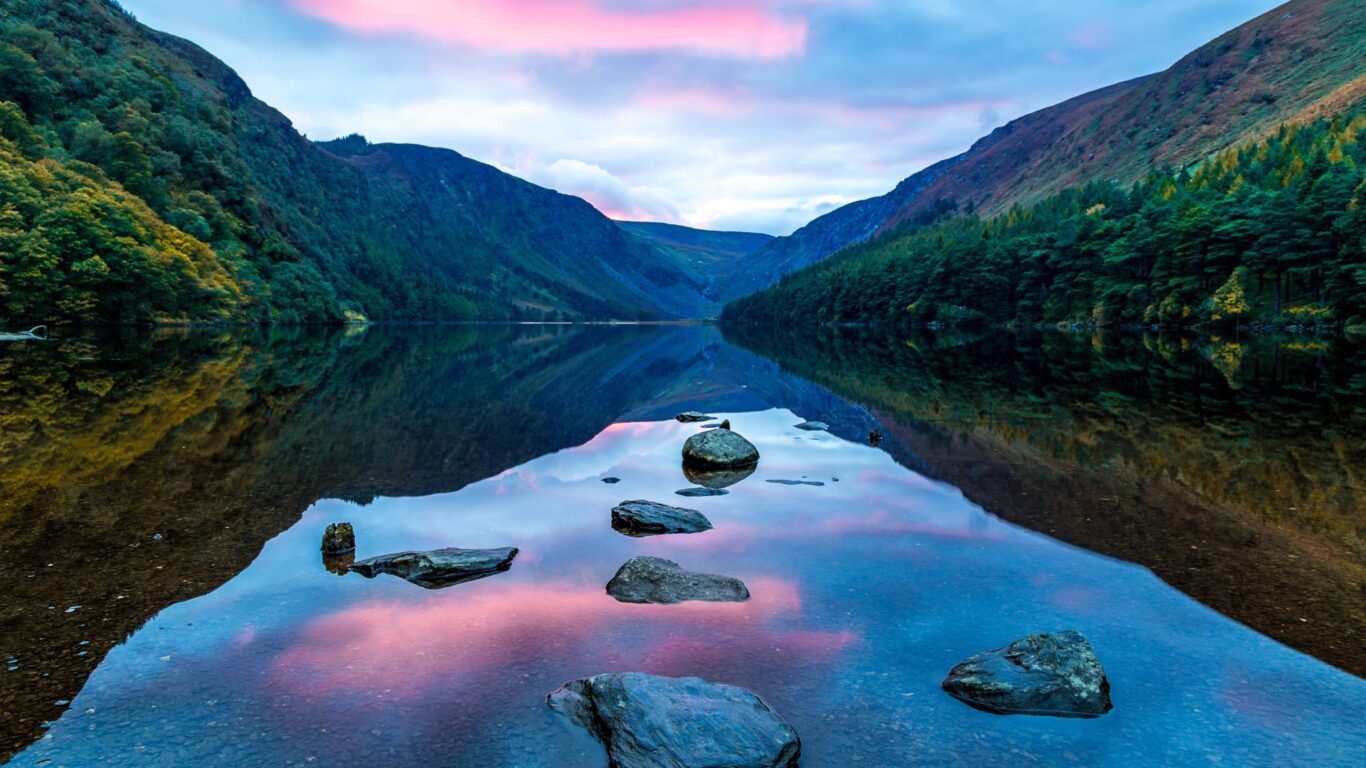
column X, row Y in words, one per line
column 710, row 261
column 301, row 232
column 1304, row 60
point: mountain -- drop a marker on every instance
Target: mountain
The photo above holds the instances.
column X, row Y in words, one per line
column 1305, row 59
column 143, row 182
column 703, row 257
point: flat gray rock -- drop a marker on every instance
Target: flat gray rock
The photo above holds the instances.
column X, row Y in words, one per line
column 690, row 417
column 796, row 482
column 611, row 480
column 813, row 426
column 660, row 581
column 650, row 518
column 1046, row 674
column 648, row 721
column 719, row 448
column 438, row 568
column 701, row 492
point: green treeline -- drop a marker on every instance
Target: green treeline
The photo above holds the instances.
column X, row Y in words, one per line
column 1271, row 232
column 140, row 182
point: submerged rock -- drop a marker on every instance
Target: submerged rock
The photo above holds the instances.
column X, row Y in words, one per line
column 656, row 580
column 717, row 478
column 650, row 518
column 813, row 426
column 339, row 538
column 439, row 568
column 719, row 448
column 1046, row 674
column 796, row 482
column 689, row 417
column 648, row 721
column 701, row 491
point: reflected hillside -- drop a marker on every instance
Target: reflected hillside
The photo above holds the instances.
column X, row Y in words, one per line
column 138, row 471
column 1232, row 469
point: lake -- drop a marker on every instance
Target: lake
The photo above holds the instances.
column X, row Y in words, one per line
column 1195, row 506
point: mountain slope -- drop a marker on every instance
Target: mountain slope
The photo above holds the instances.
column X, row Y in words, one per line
column 1302, row 60
column 303, row 232
column 704, row 259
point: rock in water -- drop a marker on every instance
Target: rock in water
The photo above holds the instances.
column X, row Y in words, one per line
column 813, row 426
column 339, row 538
column 611, row 480
column 339, row 564
column 656, row 580
column 439, row 568
column 649, row 518
column 719, row 448
column 700, row 491
column 816, row 483
column 689, row 417
column 1046, row 674
column 648, row 721
column 875, row 437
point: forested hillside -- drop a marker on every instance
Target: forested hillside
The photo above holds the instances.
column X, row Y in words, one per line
column 1269, row 232
column 141, row 181
column 1304, row 59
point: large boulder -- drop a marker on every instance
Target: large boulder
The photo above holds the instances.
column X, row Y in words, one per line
column 648, row 721
column 1046, row 674
column 439, row 568
column 719, row 449
column 650, row 518
column 656, row 580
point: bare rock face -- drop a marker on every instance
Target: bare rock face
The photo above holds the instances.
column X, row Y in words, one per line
column 650, row 518
column 648, row 721
column 439, row 568
column 338, row 539
column 719, row 448
column 1046, row 674
column 656, row 580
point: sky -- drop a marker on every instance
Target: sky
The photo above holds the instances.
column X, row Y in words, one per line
column 751, row 115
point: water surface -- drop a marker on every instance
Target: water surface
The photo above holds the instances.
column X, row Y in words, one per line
column 165, row 495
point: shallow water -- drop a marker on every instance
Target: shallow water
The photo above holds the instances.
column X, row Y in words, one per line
column 866, row 590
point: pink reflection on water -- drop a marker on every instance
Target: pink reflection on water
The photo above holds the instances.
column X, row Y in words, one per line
column 440, row 641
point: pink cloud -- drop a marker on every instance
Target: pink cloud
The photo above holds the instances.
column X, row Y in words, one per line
column 732, row 28
column 407, row 648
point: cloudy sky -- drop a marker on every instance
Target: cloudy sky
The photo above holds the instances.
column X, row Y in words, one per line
column 728, row 114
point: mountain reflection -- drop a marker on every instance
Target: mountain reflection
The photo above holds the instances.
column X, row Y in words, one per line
column 1230, row 467
column 141, row 470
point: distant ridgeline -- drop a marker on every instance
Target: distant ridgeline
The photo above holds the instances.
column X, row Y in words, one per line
column 1269, row 232
column 140, row 181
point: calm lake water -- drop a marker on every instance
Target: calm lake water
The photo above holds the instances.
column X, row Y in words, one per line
column 1195, row 506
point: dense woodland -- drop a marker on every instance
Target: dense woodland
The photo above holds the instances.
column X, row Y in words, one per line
column 140, row 181
column 1270, row 232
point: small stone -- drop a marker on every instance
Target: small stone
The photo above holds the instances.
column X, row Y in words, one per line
column 796, row 482
column 690, row 417
column 611, row 480
column 813, row 426
column 701, row 492
column 439, row 568
column 339, row 538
